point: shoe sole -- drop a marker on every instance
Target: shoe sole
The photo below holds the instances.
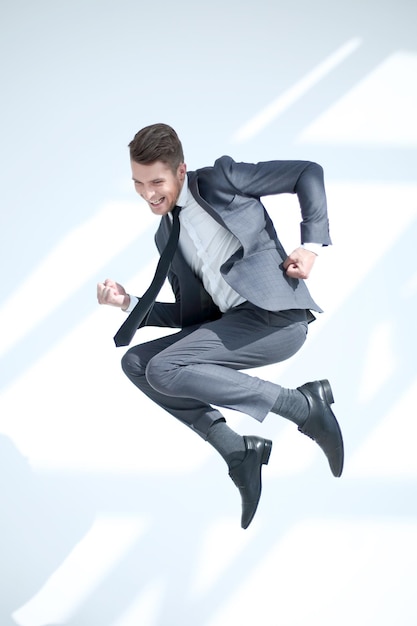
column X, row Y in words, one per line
column 266, row 453
column 330, row 399
column 327, row 391
column 328, row 395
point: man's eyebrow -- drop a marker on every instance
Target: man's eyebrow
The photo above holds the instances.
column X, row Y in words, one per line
column 154, row 180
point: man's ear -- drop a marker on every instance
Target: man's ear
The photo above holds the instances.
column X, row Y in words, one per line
column 181, row 171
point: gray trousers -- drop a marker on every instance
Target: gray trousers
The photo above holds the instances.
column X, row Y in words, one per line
column 186, row 372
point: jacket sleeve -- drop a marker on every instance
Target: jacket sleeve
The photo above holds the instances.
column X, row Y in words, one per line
column 304, row 178
column 166, row 314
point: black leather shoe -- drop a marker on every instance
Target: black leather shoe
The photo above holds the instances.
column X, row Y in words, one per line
column 321, row 424
column 247, row 475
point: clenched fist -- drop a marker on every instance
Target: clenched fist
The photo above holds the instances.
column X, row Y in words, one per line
column 113, row 294
column 299, row 263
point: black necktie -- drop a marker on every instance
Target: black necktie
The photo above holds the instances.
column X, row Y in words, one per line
column 126, row 331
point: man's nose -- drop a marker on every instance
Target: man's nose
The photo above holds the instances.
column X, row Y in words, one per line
column 148, row 193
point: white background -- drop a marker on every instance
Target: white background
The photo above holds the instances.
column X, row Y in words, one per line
column 113, row 513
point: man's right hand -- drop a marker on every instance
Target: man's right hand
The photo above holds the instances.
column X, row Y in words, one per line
column 113, row 294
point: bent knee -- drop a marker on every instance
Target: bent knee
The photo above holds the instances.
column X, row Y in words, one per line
column 132, row 364
column 159, row 373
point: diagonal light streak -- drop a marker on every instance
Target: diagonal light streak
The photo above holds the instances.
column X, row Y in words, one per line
column 294, row 93
column 91, row 560
column 74, row 260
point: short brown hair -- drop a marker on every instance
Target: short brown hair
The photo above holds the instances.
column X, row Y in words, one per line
column 158, row 142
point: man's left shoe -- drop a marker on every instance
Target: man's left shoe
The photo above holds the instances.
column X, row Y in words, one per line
column 247, row 475
column 321, row 424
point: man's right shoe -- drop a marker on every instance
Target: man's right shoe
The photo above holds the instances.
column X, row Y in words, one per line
column 321, row 424
column 247, row 475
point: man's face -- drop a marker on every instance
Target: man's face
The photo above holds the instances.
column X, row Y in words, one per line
column 158, row 185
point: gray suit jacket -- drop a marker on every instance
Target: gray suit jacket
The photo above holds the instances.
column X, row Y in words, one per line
column 231, row 193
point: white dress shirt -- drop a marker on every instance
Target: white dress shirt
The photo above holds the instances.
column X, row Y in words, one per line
column 206, row 245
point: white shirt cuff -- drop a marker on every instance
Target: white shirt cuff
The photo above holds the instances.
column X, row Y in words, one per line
column 313, row 247
column 133, row 302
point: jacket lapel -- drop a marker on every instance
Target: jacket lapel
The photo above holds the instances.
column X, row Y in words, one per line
column 193, row 187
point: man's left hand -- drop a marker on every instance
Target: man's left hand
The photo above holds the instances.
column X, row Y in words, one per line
column 299, row 263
